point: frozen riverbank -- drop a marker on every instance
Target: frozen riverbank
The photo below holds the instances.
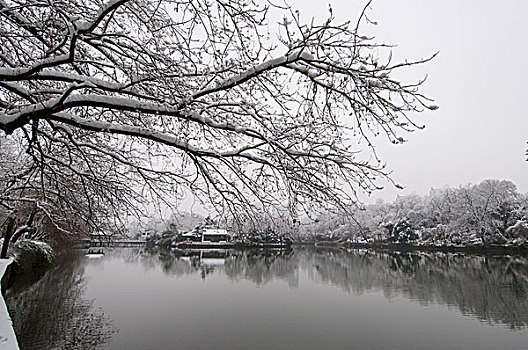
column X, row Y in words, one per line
column 8, row 339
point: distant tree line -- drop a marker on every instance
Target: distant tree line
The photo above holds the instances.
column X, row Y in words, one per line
column 492, row 212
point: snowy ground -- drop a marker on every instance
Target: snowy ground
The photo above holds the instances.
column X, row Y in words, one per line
column 8, row 339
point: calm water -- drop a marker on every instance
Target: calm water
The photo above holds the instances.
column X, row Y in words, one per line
column 300, row 299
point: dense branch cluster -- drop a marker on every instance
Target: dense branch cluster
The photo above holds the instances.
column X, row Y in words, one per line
column 115, row 103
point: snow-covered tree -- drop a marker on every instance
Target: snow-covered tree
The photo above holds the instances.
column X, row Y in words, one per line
column 133, row 100
column 47, row 202
column 491, row 206
column 492, row 212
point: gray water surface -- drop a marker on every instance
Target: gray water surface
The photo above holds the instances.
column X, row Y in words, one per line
column 299, row 299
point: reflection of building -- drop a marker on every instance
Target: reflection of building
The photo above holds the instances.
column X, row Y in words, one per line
column 214, row 257
column 203, row 256
column 203, row 260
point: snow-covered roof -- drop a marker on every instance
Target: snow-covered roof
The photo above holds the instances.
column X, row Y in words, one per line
column 190, row 234
column 216, row 231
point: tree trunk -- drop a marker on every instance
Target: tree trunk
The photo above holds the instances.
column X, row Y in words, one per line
column 7, row 236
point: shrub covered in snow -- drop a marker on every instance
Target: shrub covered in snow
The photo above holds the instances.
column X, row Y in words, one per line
column 400, row 232
column 31, row 260
column 41, row 250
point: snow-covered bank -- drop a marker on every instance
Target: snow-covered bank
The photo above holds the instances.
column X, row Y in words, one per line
column 32, row 258
column 8, row 339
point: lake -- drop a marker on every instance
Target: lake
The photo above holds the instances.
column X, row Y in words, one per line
column 305, row 298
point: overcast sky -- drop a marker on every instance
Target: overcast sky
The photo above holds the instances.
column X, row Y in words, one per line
column 479, row 80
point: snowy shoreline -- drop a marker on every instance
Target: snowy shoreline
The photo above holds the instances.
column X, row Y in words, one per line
column 8, row 339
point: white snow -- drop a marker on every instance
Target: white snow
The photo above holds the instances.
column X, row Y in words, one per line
column 8, row 339
column 15, row 72
column 304, row 70
column 94, row 256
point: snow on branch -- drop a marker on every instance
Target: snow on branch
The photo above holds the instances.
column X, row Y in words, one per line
column 125, row 99
column 254, row 72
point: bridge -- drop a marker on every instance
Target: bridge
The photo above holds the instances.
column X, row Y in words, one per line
column 124, row 243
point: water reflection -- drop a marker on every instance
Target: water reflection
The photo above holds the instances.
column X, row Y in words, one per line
column 257, row 265
column 492, row 288
column 54, row 314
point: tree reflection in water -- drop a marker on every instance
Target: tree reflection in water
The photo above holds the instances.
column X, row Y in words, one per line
column 491, row 288
column 54, row 312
